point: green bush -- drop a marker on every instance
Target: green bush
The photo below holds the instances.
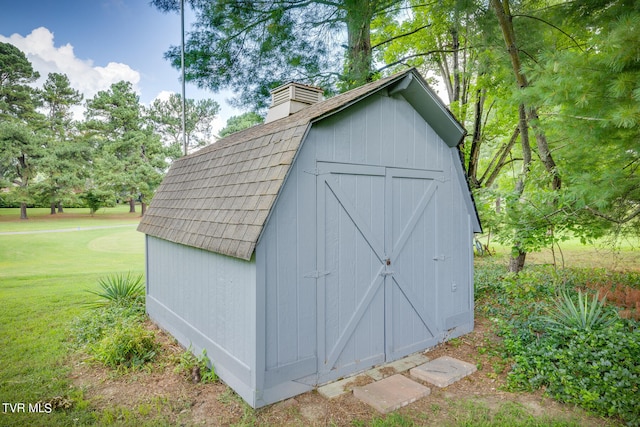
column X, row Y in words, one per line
column 567, row 315
column 596, row 369
column 120, row 289
column 130, row 345
column 575, row 347
column 113, row 332
column 93, row 325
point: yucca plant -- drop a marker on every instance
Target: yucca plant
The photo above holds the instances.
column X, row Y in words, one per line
column 125, row 289
column 586, row 314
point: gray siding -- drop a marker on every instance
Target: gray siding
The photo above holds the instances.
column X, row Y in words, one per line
column 206, row 300
column 380, row 131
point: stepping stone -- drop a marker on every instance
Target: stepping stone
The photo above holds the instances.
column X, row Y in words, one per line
column 338, row 388
column 443, row 371
column 391, row 393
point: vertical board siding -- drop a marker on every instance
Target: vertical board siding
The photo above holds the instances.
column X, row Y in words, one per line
column 212, row 293
column 380, row 130
column 385, row 132
column 290, row 300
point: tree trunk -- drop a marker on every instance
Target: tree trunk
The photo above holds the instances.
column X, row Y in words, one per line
column 53, row 208
column 476, row 142
column 530, row 117
column 500, row 160
column 23, row 211
column 505, row 19
column 516, row 264
column 132, row 205
column 143, row 208
column 543, row 149
column 60, row 208
column 359, row 59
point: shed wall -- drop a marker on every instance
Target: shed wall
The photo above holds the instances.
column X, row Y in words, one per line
column 207, row 301
column 380, row 131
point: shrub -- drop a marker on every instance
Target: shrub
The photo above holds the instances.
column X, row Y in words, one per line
column 113, row 332
column 129, row 345
column 92, row 326
column 598, row 369
column 585, row 315
column 568, row 343
column 120, row 289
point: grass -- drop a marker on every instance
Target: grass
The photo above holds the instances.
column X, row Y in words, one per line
column 623, row 255
column 72, row 218
column 43, row 278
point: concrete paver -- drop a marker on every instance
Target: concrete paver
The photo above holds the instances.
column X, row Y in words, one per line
column 337, row 388
column 443, row 371
column 391, row 393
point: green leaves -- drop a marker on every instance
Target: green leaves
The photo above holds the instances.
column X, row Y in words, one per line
column 576, row 349
column 120, row 289
column 113, row 332
column 584, row 315
column 126, row 346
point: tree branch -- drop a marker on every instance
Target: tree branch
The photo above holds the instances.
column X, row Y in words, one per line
column 402, row 60
column 629, row 217
column 551, row 25
column 400, row 36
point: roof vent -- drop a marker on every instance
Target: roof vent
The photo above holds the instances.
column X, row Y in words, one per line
column 291, row 98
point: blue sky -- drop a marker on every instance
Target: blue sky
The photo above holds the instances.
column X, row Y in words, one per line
column 99, row 42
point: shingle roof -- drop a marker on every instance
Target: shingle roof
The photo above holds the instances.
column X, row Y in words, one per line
column 218, row 198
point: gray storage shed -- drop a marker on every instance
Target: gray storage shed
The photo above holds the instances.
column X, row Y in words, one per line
column 318, row 244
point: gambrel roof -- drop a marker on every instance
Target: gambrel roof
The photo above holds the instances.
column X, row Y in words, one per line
column 219, row 198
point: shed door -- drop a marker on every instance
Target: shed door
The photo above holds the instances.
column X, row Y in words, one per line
column 377, row 249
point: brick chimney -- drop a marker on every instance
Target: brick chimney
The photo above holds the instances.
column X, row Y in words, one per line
column 291, row 98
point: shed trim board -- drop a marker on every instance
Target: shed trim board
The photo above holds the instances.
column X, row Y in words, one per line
column 317, row 245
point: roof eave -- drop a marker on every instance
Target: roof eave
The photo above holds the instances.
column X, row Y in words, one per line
column 412, row 87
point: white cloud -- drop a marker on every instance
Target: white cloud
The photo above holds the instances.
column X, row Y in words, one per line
column 83, row 74
column 164, row 96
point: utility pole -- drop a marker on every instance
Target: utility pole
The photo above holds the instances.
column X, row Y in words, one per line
column 184, row 99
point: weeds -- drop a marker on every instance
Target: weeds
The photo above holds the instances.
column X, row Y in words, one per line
column 130, row 345
column 113, row 332
column 198, row 369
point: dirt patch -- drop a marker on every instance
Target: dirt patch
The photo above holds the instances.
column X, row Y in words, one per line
column 164, row 394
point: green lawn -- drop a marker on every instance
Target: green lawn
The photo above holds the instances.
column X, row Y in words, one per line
column 72, row 218
column 622, row 255
column 43, row 278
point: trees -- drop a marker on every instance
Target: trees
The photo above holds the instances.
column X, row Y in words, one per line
column 589, row 97
column 129, row 159
column 20, row 147
column 20, row 151
column 63, row 165
column 166, row 118
column 251, row 47
column 241, row 122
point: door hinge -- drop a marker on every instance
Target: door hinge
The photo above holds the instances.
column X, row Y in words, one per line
column 440, row 258
column 314, row 171
column 316, row 274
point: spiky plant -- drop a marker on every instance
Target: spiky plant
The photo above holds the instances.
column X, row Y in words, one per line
column 585, row 314
column 125, row 289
